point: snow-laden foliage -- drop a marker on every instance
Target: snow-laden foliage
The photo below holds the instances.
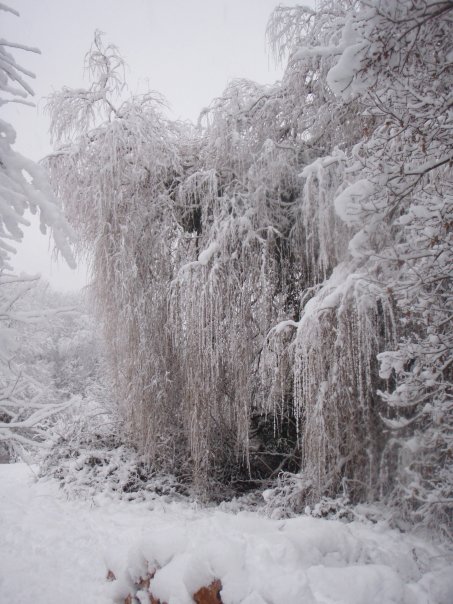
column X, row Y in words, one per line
column 49, row 356
column 394, row 296
column 26, row 401
column 276, row 284
column 181, row 295
column 23, row 184
column 28, row 396
column 406, row 72
column 86, row 454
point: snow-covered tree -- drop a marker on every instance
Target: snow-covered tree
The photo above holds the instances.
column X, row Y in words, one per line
column 392, row 61
column 276, row 284
column 172, row 207
column 402, row 69
column 52, row 360
column 24, row 187
column 28, row 391
column 23, row 184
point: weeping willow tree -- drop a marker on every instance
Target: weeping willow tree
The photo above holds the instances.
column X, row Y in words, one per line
column 254, row 274
column 188, row 234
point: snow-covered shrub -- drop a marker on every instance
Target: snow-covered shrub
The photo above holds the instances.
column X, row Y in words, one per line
column 53, row 356
column 86, row 454
column 29, row 396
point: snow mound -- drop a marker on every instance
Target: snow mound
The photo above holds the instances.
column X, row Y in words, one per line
column 53, row 550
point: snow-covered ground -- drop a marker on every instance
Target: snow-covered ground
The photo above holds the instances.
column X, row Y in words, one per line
column 56, row 551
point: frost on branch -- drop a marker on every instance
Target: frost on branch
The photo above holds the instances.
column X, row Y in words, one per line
column 23, row 184
column 392, row 61
column 26, row 402
column 408, row 159
column 29, row 393
column 76, row 110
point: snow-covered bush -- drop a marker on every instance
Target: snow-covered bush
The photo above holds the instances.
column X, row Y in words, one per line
column 29, row 393
column 86, row 454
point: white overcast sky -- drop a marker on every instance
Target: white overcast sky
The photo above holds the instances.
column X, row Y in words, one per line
column 186, row 49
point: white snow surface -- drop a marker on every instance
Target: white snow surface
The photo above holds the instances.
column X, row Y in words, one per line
column 207, row 254
column 53, row 550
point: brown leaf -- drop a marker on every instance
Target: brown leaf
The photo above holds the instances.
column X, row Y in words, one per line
column 210, row 594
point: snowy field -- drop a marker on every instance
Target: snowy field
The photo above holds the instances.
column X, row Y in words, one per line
column 56, row 551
